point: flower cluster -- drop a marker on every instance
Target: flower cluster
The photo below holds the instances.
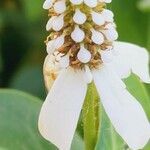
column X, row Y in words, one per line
column 80, row 30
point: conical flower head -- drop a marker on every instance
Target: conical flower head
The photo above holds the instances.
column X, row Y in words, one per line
column 80, row 22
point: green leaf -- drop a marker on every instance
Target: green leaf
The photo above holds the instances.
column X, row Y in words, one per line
column 91, row 117
column 18, row 123
column 29, row 79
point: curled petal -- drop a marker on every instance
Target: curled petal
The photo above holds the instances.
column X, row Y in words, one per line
column 60, row 112
column 124, row 111
column 129, row 58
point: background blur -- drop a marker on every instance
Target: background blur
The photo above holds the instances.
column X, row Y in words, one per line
column 22, row 53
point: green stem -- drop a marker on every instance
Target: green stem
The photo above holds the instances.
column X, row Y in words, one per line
column 91, row 117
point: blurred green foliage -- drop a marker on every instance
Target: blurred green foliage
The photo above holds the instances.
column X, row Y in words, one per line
column 22, row 52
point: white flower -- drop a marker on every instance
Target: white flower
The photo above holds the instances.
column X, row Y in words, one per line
column 80, row 46
column 60, row 111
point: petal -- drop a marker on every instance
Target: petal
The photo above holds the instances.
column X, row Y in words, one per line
column 60, row 112
column 133, row 58
column 124, row 111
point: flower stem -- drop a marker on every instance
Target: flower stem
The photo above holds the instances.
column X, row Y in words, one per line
column 91, row 117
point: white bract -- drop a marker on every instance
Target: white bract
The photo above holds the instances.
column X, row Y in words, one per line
column 61, row 110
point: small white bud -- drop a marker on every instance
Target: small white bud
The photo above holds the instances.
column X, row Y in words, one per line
column 91, row 3
column 48, row 4
column 79, row 17
column 58, row 23
column 107, row 56
column 77, row 35
column 55, row 44
column 84, row 55
column 110, row 26
column 60, row 6
column 108, row 15
column 50, row 48
column 88, row 75
column 76, row 2
column 49, row 23
column 97, row 37
column 97, row 18
column 111, row 34
column 59, row 42
column 64, row 61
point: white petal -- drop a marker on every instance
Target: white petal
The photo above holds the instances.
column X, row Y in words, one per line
column 91, row 3
column 58, row 23
column 79, row 17
column 108, row 15
column 77, row 35
column 133, row 58
column 60, row 112
column 48, row 4
column 60, row 6
column 124, row 111
column 84, row 55
column 111, row 34
column 97, row 37
column 76, row 2
column 49, row 23
column 97, row 18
